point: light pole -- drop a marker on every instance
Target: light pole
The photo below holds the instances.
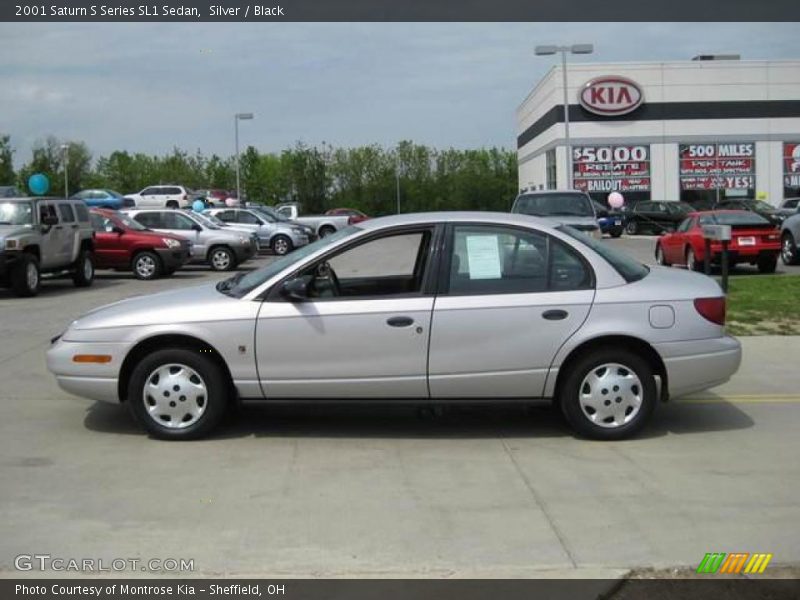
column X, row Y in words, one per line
column 573, row 49
column 397, row 180
column 65, row 158
column 236, row 118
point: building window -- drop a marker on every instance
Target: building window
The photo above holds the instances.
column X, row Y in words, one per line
column 600, row 170
column 710, row 173
column 550, row 159
column 791, row 169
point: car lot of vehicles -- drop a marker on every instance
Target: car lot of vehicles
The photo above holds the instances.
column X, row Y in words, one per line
column 322, row 225
column 44, row 235
column 570, row 207
column 124, row 244
column 374, row 312
column 101, row 199
column 655, row 217
column 162, row 196
column 280, row 236
column 219, row 248
column 754, row 240
column 356, row 216
column 271, row 213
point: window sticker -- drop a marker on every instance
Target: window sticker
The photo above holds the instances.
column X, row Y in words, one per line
column 483, row 256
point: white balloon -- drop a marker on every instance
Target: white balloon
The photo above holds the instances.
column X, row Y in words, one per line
column 615, row 200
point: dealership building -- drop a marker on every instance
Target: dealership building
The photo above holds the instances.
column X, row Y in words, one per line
column 702, row 129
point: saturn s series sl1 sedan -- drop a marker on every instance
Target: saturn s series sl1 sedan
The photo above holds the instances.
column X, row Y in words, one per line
column 430, row 307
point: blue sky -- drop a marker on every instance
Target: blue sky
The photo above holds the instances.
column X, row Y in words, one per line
column 149, row 87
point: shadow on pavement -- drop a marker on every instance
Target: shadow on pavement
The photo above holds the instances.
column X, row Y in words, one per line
column 450, row 422
column 57, row 287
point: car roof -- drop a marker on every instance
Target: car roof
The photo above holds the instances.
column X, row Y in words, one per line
column 702, row 213
column 545, row 192
column 427, row 218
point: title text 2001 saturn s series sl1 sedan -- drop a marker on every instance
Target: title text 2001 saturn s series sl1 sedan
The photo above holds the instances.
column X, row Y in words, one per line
column 437, row 306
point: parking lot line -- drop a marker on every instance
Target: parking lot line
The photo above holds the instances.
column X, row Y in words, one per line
column 745, row 399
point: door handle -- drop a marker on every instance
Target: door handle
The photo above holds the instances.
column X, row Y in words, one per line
column 555, row 314
column 399, row 321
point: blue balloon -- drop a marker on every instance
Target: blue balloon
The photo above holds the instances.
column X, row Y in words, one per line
column 38, row 184
column 198, row 206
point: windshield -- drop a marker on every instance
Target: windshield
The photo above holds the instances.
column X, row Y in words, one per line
column 271, row 213
column 624, row 264
column 679, row 207
column 554, row 205
column 241, row 283
column 114, row 194
column 203, row 219
column 126, row 221
column 759, row 205
column 16, row 213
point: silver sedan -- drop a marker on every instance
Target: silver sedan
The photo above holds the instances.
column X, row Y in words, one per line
column 432, row 307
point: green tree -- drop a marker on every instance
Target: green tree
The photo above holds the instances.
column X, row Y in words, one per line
column 7, row 175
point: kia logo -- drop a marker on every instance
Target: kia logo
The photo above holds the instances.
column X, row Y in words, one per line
column 611, row 96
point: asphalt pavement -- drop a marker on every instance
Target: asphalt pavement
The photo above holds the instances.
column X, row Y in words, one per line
column 371, row 491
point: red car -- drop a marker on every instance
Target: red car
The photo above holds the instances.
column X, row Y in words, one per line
column 754, row 240
column 356, row 216
column 123, row 244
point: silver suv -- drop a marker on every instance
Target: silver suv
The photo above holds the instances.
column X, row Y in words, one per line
column 570, row 207
column 220, row 248
column 281, row 237
column 44, row 235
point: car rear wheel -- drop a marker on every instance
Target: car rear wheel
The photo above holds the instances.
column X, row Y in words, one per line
column 177, row 394
column 691, row 260
column 788, row 249
column 660, row 259
column 608, row 394
column 767, row 264
column 281, row 245
column 172, row 204
column 631, row 228
column 221, row 258
column 25, row 276
column 326, row 230
column 83, row 275
column 146, row 266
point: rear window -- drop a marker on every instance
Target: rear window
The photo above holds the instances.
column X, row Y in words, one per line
column 742, row 218
column 628, row 267
column 556, row 204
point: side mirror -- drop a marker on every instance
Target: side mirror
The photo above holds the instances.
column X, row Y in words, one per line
column 296, row 289
column 197, row 227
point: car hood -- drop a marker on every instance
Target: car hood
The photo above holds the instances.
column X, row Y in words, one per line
column 11, row 230
column 185, row 305
column 577, row 222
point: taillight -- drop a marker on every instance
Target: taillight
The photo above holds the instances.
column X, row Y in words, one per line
column 712, row 309
column 186, row 196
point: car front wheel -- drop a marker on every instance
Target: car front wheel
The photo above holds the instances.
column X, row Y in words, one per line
column 177, row 394
column 691, row 260
column 788, row 249
column 25, row 276
column 631, row 228
column 146, row 266
column 281, row 245
column 608, row 394
column 221, row 259
column 326, row 231
column 660, row 259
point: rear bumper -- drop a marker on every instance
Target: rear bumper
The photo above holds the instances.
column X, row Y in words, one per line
column 744, row 254
column 697, row 365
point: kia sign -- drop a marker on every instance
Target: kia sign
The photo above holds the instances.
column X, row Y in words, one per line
column 611, row 96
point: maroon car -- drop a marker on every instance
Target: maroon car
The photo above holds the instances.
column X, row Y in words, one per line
column 356, row 216
column 123, row 244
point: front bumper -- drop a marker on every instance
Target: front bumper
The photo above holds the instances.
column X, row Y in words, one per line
column 697, row 365
column 7, row 260
column 87, row 380
column 245, row 251
column 173, row 258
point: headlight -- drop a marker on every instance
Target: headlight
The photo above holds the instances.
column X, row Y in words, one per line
column 11, row 244
column 243, row 240
column 299, row 230
column 170, row 243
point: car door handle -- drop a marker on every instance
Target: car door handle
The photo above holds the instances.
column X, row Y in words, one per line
column 399, row 321
column 555, row 314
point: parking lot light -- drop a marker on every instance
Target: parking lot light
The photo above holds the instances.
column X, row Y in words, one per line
column 236, row 118
column 549, row 50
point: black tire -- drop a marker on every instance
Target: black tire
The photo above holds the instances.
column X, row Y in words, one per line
column 767, row 264
column 281, row 245
column 26, row 277
column 146, row 266
column 691, row 260
column 788, row 249
column 221, row 258
column 172, row 204
column 83, row 271
column 326, row 230
column 660, row 258
column 631, row 227
column 579, row 416
column 616, row 232
column 212, row 404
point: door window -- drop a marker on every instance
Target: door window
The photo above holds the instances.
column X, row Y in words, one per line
column 386, row 266
column 175, row 220
column 66, row 212
column 226, row 215
column 46, row 210
column 149, row 220
column 499, row 260
column 247, row 218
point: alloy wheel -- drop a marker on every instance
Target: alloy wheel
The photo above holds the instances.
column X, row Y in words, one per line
column 221, row 260
column 32, row 276
column 145, row 266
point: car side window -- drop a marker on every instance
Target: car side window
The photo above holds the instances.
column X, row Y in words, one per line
column 46, row 210
column 247, row 218
column 175, row 220
column 706, row 220
column 643, row 207
column 82, row 212
column 149, row 220
column 66, row 212
column 228, row 216
column 499, row 260
column 685, row 225
column 391, row 265
column 148, row 191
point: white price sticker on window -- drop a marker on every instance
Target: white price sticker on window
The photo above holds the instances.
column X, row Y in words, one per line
column 483, row 254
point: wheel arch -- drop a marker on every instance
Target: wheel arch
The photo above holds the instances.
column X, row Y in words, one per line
column 628, row 342
column 33, row 249
column 160, row 342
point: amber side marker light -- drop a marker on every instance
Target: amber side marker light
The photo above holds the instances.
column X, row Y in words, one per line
column 91, row 358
